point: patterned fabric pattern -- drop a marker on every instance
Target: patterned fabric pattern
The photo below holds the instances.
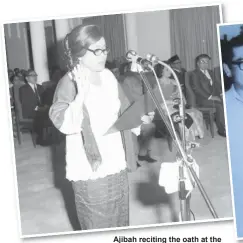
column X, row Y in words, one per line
column 90, row 144
column 103, row 203
column 14, row 123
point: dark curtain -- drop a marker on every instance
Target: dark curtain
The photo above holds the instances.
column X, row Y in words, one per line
column 112, row 27
column 193, row 32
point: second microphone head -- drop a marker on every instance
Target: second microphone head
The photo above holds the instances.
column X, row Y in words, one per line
column 130, row 54
column 152, row 58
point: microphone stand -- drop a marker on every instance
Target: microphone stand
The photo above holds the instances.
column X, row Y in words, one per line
column 184, row 197
column 186, row 160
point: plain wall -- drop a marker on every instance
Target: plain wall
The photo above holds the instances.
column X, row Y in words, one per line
column 153, row 32
column 18, row 48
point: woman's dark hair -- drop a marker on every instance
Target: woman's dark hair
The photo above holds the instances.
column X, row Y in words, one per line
column 227, row 56
column 225, row 51
column 16, row 71
column 234, row 42
column 226, row 59
column 158, row 68
column 110, row 65
column 76, row 42
column 12, row 79
column 124, row 67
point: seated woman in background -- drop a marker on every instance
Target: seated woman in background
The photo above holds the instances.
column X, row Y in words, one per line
column 170, row 90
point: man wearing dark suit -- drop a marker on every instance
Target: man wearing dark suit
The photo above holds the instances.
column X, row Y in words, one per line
column 30, row 96
column 175, row 64
column 133, row 88
column 208, row 91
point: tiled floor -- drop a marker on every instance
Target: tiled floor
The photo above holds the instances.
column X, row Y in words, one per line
column 46, row 200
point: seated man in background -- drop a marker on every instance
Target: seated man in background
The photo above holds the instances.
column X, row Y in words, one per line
column 10, row 74
column 175, row 64
column 133, row 88
column 16, row 71
column 208, row 91
column 30, row 96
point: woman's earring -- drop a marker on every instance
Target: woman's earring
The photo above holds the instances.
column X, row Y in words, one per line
column 79, row 61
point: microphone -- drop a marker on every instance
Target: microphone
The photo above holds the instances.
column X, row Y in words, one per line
column 130, row 55
column 152, row 58
column 133, row 57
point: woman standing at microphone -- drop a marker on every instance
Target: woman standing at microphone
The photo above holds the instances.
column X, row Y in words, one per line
column 86, row 104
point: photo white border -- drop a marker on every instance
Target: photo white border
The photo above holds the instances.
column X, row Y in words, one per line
column 186, row 6
column 141, row 10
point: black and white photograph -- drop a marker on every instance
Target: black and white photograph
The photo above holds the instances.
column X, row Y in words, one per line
column 118, row 120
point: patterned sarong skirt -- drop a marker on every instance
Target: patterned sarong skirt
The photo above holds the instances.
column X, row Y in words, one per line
column 104, row 202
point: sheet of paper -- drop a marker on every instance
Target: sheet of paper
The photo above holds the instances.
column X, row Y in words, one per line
column 131, row 118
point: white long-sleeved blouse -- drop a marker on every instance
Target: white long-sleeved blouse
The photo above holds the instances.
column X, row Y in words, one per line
column 103, row 104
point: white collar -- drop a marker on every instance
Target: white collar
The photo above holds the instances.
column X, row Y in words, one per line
column 33, row 86
column 204, row 71
column 177, row 70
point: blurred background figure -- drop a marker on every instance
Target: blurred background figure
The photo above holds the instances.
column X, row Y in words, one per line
column 10, row 74
column 16, row 71
column 18, row 80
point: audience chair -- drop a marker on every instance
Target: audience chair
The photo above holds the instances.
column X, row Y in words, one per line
column 22, row 123
column 48, row 84
column 217, row 74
